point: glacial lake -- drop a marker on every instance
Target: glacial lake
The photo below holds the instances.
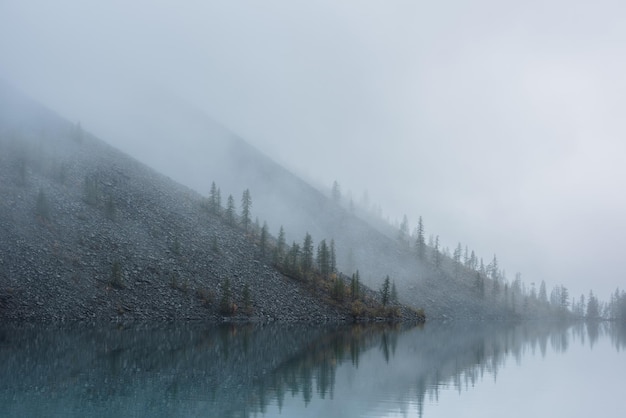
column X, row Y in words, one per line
column 454, row 369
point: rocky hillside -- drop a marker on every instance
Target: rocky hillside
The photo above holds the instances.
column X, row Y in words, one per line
column 284, row 199
column 88, row 232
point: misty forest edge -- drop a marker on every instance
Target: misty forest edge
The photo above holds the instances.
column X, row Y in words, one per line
column 90, row 233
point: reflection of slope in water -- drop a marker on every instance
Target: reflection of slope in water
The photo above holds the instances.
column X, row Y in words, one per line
column 193, row 369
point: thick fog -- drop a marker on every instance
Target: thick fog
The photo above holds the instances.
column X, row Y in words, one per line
column 502, row 125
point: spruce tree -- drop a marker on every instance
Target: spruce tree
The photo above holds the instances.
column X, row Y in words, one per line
column 323, row 259
column 225, row 301
column 307, row 253
column 246, row 204
column 333, row 257
column 385, row 291
column 230, row 210
column 420, row 243
column 213, row 198
column 281, row 244
column 263, row 240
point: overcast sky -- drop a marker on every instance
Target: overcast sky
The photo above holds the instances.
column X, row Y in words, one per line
column 501, row 123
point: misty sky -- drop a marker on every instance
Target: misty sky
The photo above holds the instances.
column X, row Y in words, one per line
column 501, row 123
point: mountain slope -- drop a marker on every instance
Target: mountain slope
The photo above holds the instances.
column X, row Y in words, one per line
column 281, row 198
column 88, row 232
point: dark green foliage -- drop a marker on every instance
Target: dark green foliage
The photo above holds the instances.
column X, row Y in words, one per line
column 116, row 279
column 385, row 291
column 323, row 259
column 338, row 289
column 333, row 257
column 279, row 252
column 436, row 254
column 420, row 243
column 230, row 210
column 246, row 204
column 292, row 260
column 479, row 284
column 307, row 253
column 593, row 307
column 355, row 286
column 42, row 208
column 226, row 306
column 263, row 240
column 214, row 199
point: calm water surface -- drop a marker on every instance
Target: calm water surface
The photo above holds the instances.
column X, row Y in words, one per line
column 482, row 369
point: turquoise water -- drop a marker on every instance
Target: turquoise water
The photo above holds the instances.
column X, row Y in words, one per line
column 201, row 370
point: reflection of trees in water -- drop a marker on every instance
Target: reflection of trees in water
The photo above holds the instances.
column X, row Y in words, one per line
column 314, row 368
column 235, row 371
column 239, row 369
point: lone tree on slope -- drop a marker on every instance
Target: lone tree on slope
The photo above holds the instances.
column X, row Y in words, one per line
column 246, row 204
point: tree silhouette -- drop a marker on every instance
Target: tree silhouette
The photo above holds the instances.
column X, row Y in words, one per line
column 420, row 243
column 307, row 253
column 385, row 291
column 230, row 210
column 246, row 204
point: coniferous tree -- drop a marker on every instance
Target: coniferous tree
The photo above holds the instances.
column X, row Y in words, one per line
column 543, row 294
column 116, row 275
column 593, row 307
column 225, row 301
column 355, row 286
column 307, row 253
column 458, row 251
column 281, row 244
column 385, row 291
column 333, row 257
column 420, row 243
column 263, row 240
column 246, row 204
column 293, row 259
column 218, row 201
column 213, row 198
column 436, row 253
column 473, row 261
column 479, row 284
column 338, row 289
column 230, row 210
column 323, row 259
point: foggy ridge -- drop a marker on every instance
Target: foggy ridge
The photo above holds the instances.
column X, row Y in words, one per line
column 88, row 232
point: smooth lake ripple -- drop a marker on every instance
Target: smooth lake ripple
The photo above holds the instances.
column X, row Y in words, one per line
column 482, row 369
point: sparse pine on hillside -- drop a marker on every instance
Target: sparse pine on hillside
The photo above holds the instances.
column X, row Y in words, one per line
column 246, row 204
